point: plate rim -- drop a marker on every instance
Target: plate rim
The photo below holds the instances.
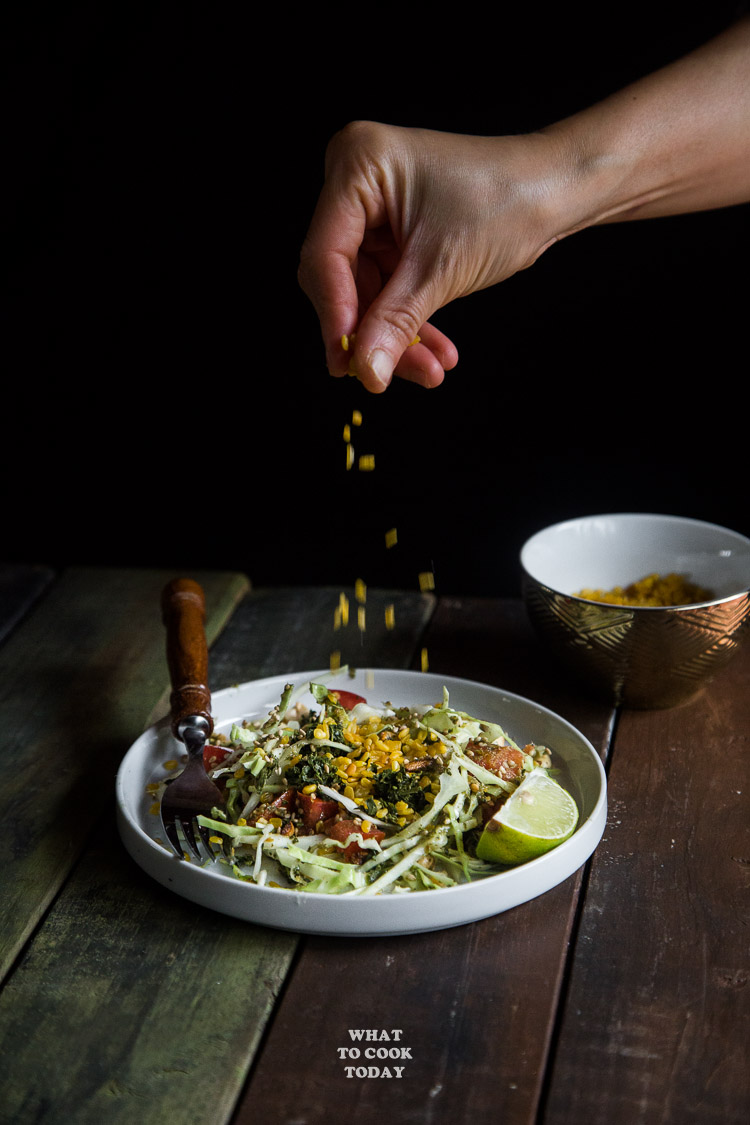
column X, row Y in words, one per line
column 141, row 846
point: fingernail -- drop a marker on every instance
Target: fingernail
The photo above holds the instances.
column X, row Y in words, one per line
column 381, row 365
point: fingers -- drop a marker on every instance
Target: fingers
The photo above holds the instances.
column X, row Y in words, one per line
column 386, row 341
column 394, row 335
column 329, row 283
column 391, row 242
column 352, row 270
column 427, row 361
column 423, row 361
column 328, row 268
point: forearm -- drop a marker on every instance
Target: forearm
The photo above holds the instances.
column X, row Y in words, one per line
column 673, row 142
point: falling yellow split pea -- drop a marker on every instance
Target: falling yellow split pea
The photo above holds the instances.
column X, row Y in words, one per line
column 360, row 591
column 367, row 462
column 335, row 660
column 426, row 580
column 391, row 537
column 390, row 617
column 425, row 663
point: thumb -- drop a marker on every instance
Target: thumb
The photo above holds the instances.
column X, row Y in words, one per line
column 391, row 325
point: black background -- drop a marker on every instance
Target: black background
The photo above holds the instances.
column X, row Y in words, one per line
column 165, row 395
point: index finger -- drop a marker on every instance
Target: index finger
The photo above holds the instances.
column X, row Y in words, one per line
column 326, row 273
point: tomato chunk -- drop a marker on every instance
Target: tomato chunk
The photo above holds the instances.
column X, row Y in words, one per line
column 314, row 809
column 347, row 698
column 285, row 800
column 353, row 853
column 506, row 762
column 213, row 756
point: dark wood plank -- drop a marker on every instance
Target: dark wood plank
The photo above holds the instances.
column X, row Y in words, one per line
column 79, row 680
column 657, row 1020
column 472, row 1007
column 20, row 587
column 145, row 1007
column 476, row 1005
column 286, row 629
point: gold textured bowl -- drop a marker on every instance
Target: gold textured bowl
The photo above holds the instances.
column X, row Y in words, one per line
column 638, row 656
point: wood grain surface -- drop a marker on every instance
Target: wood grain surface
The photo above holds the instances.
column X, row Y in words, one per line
column 619, row 996
column 471, row 1003
column 657, row 1020
column 77, row 685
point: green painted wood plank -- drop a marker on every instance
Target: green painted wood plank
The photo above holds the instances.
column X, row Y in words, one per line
column 78, row 680
column 131, row 1004
column 122, row 974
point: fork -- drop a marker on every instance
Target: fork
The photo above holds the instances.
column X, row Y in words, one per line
column 192, row 793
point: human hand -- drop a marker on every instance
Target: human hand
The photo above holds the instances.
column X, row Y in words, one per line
column 409, row 220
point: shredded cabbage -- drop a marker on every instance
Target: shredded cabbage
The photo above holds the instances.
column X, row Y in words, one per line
column 361, row 801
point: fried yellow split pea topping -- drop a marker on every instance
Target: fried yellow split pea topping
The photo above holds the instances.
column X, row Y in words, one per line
column 653, row 590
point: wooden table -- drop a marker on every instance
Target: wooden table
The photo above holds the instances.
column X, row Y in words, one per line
column 621, row 995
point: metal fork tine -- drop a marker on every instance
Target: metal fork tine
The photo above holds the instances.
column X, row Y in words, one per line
column 205, row 834
column 187, row 828
column 171, row 830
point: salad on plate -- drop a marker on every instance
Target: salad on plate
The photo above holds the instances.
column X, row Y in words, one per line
column 341, row 797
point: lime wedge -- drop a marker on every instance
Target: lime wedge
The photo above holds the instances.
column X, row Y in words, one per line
column 536, row 818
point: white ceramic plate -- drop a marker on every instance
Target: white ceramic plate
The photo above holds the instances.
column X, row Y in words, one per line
column 309, row 913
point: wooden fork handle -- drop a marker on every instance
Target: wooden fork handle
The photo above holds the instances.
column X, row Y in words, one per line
column 184, row 614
